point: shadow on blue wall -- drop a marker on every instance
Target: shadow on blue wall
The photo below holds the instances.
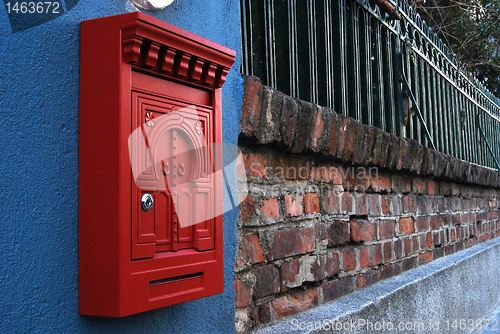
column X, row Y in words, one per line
column 39, row 84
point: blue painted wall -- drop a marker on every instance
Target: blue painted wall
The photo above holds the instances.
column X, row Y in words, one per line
column 39, row 82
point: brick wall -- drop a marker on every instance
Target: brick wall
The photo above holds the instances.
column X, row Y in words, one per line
column 335, row 206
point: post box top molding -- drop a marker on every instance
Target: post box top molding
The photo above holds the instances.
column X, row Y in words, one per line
column 156, row 45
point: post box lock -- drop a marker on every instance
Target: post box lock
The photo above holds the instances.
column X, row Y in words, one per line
column 147, row 202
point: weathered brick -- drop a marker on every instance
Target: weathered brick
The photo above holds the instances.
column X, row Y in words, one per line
column 366, row 279
column 380, row 183
column 419, row 186
column 338, row 233
column 270, row 208
column 293, row 205
column 422, row 223
column 406, row 225
column 387, row 251
column 378, row 138
column 261, row 314
column 401, row 184
column 267, row 281
column 450, row 249
column 409, row 263
column 290, row 110
column 364, row 257
column 424, row 258
column 267, row 130
column 361, row 205
column 243, row 293
column 332, row 265
column 346, row 203
column 291, row 242
column 409, row 204
column 407, row 246
column 294, row 303
column 304, row 126
column 330, row 202
column 250, row 107
column 255, row 165
column 311, row 203
column 396, row 208
column 386, row 229
column 376, row 252
column 398, row 248
column 291, row 168
column 250, row 251
column 349, row 258
column 384, row 201
column 346, row 136
column 332, row 141
column 317, row 131
column 247, row 208
column 362, row 230
column 288, row 272
column 437, row 253
column 337, row 288
column 374, row 205
column 436, row 222
column 327, row 173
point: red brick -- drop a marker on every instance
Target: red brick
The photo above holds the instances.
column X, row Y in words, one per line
column 376, row 254
column 362, row 230
column 261, row 314
column 332, row 141
column 327, row 173
column 385, row 205
column 338, row 233
column 331, row 202
column 355, row 179
column 349, row 257
column 337, row 288
column 450, row 249
column 374, row 205
column 436, row 222
column 407, row 246
column 416, row 246
column 243, row 293
column 361, row 205
column 406, row 225
column 409, row 204
column 431, row 188
column 386, row 229
column 422, row 223
column 311, row 203
column 332, row 266
column 419, row 186
column 267, row 281
column 270, row 208
column 398, row 248
column 291, row 242
column 247, row 208
column 453, row 235
column 291, row 168
column 387, row 251
column 255, row 165
column 293, row 205
column 364, row 257
column 346, row 138
column 380, row 183
column 288, row 272
column 250, row 108
column 317, row 130
column 250, row 252
column 409, row 263
column 369, row 278
column 297, row 302
column 401, row 184
column 428, row 240
column 346, row 204
column 318, row 268
column 425, row 258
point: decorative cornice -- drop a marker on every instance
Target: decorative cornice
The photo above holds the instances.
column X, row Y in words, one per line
column 169, row 50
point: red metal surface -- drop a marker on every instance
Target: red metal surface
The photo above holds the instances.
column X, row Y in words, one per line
column 134, row 69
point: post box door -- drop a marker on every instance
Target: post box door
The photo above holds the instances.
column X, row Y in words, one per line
column 175, row 158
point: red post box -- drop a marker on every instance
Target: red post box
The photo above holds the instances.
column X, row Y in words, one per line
column 150, row 229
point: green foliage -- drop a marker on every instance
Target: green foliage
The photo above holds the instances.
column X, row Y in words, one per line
column 471, row 29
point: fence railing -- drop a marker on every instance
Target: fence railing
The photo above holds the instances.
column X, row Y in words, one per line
column 349, row 56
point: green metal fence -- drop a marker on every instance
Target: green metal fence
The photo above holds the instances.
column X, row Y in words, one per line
column 348, row 55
